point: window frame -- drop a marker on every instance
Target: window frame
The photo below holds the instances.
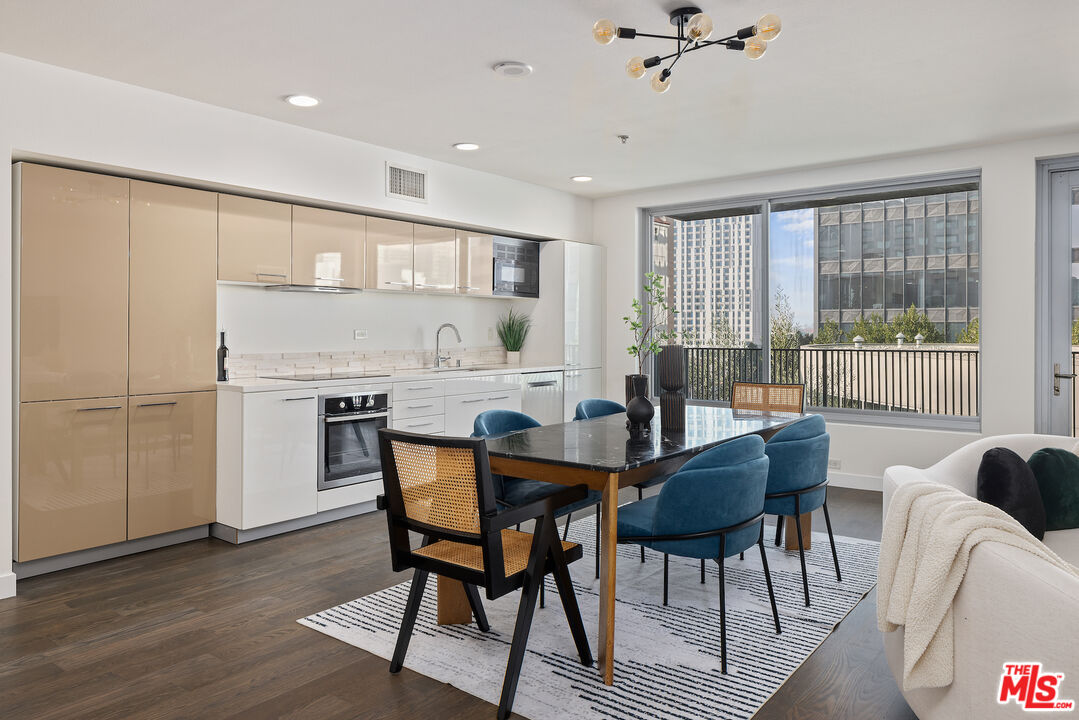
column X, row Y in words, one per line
column 767, row 203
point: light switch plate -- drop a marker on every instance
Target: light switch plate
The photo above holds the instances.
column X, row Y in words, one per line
column 359, row 334
column 834, row 463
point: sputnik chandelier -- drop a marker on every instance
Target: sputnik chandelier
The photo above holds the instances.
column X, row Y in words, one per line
column 694, row 29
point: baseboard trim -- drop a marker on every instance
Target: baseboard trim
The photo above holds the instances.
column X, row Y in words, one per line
column 237, row 537
column 31, row 568
column 7, row 585
column 856, row 482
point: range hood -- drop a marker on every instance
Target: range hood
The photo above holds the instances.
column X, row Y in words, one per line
column 313, row 289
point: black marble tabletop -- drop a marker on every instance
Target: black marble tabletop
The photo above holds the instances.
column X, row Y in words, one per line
column 604, row 443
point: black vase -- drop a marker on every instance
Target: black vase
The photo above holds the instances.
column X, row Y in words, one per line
column 672, row 401
column 639, row 409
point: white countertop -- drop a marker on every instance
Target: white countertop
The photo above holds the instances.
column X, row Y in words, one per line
column 267, row 384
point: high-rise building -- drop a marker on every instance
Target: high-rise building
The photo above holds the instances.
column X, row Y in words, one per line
column 711, row 266
column 884, row 256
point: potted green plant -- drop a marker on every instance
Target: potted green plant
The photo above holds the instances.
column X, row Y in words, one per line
column 512, row 329
column 649, row 321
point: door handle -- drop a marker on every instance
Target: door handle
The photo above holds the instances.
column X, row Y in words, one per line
column 331, row 279
column 397, row 282
column 499, row 397
column 104, row 407
column 157, row 404
column 266, row 274
column 544, row 383
column 311, row 397
column 1058, row 376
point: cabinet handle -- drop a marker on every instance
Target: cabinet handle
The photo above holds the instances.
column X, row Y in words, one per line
column 421, row 387
column 276, row 275
column 425, row 285
column 468, row 287
column 397, row 282
column 472, row 401
column 104, row 407
column 545, row 383
column 332, row 279
column 418, row 407
column 499, row 397
column 572, row 364
column 311, row 397
column 157, row 404
column 419, row 424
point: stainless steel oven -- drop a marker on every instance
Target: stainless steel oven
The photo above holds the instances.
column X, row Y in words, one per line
column 348, row 437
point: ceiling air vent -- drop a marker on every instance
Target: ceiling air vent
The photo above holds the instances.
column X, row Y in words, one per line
column 406, row 183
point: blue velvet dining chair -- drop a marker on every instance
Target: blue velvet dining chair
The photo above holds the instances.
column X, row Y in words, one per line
column 711, row 508
column 798, row 481
column 598, row 407
column 514, row 492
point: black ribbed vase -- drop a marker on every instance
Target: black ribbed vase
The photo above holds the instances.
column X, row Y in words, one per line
column 672, row 401
column 639, row 410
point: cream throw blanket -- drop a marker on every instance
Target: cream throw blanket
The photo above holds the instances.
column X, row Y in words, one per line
column 925, row 547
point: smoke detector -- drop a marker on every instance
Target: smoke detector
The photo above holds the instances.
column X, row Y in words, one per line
column 513, row 69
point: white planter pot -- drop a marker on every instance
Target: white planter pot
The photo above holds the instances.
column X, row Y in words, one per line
column 513, row 358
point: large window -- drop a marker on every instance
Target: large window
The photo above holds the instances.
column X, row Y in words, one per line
column 872, row 297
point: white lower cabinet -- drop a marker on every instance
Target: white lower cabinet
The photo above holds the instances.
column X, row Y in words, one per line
column 461, row 410
column 580, row 385
column 428, row 425
column 267, row 469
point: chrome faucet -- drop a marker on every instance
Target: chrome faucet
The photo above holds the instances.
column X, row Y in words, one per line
column 439, row 357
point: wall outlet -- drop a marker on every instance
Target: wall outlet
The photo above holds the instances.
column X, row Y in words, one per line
column 834, row 463
column 490, row 333
column 359, row 334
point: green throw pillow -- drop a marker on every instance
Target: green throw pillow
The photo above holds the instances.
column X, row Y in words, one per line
column 1057, row 473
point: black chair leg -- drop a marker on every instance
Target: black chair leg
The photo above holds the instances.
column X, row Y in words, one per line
column 722, row 607
column 741, row 556
column 640, row 496
column 412, row 608
column 542, row 599
column 477, row 607
column 525, row 610
column 801, row 550
column 702, row 571
column 831, row 540
column 573, row 611
column 565, row 530
column 768, row 579
column 642, row 553
column 666, row 561
column 779, row 529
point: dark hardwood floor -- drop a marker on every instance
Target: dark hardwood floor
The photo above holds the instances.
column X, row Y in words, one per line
column 208, row 630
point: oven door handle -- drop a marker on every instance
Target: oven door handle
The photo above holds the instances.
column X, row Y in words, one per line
column 349, row 418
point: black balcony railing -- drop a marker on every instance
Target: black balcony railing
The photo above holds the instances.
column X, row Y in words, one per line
column 914, row 379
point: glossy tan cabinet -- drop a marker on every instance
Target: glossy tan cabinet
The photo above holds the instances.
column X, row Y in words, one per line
column 254, row 240
column 327, row 247
column 171, row 462
column 173, row 289
column 72, row 252
column 72, row 476
column 389, row 254
column 475, row 263
column 435, row 259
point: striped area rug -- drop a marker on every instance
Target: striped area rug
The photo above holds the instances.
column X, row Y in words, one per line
column 666, row 658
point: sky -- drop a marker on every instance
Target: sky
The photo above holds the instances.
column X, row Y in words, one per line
column 790, row 267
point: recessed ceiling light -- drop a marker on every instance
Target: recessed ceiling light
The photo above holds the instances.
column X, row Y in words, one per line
column 466, row 146
column 581, row 178
column 302, row 100
column 513, row 69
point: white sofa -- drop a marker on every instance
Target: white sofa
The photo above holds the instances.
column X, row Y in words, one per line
column 1010, row 607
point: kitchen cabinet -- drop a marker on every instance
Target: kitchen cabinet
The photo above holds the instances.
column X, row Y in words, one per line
column 278, row 473
column 389, row 254
column 72, row 491
column 170, row 461
column 579, row 385
column 541, row 396
column 475, row 264
column 435, row 259
column 173, row 309
column 461, row 410
column 71, row 252
column 254, row 240
column 327, row 247
column 584, row 273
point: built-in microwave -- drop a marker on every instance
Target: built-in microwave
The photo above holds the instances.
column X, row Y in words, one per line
column 516, row 267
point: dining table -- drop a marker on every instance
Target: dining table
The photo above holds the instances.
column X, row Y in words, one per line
column 601, row 453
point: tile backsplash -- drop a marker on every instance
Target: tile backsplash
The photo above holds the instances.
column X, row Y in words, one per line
column 340, row 361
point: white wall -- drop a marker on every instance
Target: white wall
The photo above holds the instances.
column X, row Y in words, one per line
column 1007, row 281
column 55, row 112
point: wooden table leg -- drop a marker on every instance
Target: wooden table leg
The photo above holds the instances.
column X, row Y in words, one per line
column 791, row 532
column 609, row 545
column 453, row 607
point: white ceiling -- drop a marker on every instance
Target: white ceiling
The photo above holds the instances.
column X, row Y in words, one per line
column 847, row 79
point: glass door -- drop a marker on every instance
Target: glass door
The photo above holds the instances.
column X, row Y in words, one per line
column 1063, row 301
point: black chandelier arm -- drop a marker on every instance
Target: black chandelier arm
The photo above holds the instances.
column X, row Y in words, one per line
column 698, row 46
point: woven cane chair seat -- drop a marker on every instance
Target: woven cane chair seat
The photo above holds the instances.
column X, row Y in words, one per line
column 515, row 549
column 766, row 397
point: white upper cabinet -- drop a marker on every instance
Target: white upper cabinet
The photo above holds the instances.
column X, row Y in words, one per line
column 389, row 254
column 583, row 305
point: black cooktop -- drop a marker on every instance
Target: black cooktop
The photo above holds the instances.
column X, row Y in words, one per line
column 317, row 377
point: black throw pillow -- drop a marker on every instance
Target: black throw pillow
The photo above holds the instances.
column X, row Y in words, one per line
column 1057, row 473
column 1005, row 480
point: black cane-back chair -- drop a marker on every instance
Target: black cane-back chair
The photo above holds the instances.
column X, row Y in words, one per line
column 441, row 489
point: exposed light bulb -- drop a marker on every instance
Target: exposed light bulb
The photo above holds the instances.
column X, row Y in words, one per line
column 768, row 27
column 604, row 31
column 755, row 47
column 661, row 81
column 635, row 67
column 700, row 27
